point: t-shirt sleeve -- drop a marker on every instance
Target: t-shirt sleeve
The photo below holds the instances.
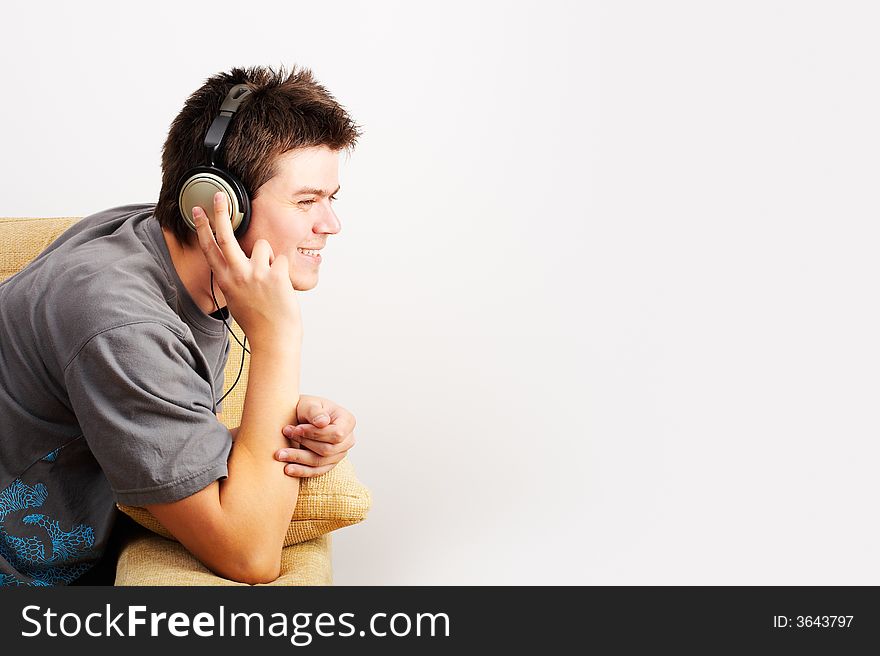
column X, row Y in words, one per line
column 143, row 400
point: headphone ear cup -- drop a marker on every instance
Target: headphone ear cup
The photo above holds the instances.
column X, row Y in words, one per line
column 198, row 188
column 243, row 202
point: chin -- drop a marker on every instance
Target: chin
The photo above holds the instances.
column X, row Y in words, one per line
column 304, row 285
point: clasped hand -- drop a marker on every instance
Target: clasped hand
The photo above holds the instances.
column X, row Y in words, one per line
column 323, row 435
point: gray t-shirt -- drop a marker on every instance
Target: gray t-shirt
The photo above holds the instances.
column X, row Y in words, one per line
column 109, row 380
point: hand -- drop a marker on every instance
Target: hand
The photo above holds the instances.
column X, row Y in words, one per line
column 258, row 290
column 325, row 440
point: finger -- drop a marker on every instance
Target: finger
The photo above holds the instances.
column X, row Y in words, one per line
column 224, row 233
column 306, row 457
column 280, row 266
column 333, row 433
column 207, row 242
column 310, row 409
column 327, row 449
column 304, row 471
column 320, row 421
column 262, row 255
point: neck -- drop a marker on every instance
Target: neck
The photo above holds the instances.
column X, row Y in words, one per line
column 194, row 272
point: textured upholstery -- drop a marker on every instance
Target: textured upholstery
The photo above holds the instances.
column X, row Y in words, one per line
column 25, row 238
column 149, row 559
column 325, row 503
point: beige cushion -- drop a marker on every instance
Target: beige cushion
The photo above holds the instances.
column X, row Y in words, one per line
column 148, row 559
column 23, row 239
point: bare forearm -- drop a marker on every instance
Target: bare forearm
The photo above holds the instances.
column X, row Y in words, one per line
column 258, row 498
column 302, row 397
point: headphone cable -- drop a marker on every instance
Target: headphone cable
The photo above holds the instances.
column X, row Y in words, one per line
column 245, row 349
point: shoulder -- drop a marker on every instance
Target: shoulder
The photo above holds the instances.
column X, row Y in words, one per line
column 125, row 294
column 154, row 345
column 102, row 274
column 110, row 315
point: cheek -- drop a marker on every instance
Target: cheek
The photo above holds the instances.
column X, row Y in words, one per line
column 296, row 263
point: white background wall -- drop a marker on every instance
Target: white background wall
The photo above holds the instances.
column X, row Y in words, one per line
column 603, row 302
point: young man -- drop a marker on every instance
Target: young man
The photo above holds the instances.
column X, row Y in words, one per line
column 113, row 346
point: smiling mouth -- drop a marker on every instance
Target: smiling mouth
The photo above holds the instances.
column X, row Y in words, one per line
column 313, row 256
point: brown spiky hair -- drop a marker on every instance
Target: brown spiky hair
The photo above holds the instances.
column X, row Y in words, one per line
column 284, row 111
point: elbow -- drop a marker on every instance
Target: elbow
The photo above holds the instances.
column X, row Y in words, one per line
column 254, row 560
column 262, row 575
column 253, row 569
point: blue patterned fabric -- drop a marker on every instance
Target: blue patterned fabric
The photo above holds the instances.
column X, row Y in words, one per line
column 48, row 556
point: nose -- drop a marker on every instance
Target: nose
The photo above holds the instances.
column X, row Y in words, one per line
column 328, row 223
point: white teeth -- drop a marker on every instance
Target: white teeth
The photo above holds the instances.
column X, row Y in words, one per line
column 307, row 252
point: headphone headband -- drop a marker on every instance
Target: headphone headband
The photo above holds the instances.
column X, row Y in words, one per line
column 214, row 138
column 200, row 183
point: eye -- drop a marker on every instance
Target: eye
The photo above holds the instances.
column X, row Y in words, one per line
column 309, row 202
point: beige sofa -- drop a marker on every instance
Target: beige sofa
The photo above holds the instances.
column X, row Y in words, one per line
column 147, row 553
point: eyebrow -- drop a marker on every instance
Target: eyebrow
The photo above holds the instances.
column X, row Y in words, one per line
column 316, row 192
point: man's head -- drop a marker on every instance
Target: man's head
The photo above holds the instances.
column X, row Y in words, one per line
column 283, row 144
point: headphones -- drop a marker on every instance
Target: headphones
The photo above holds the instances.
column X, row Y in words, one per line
column 200, row 183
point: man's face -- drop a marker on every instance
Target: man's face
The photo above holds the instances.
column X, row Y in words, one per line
column 290, row 218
